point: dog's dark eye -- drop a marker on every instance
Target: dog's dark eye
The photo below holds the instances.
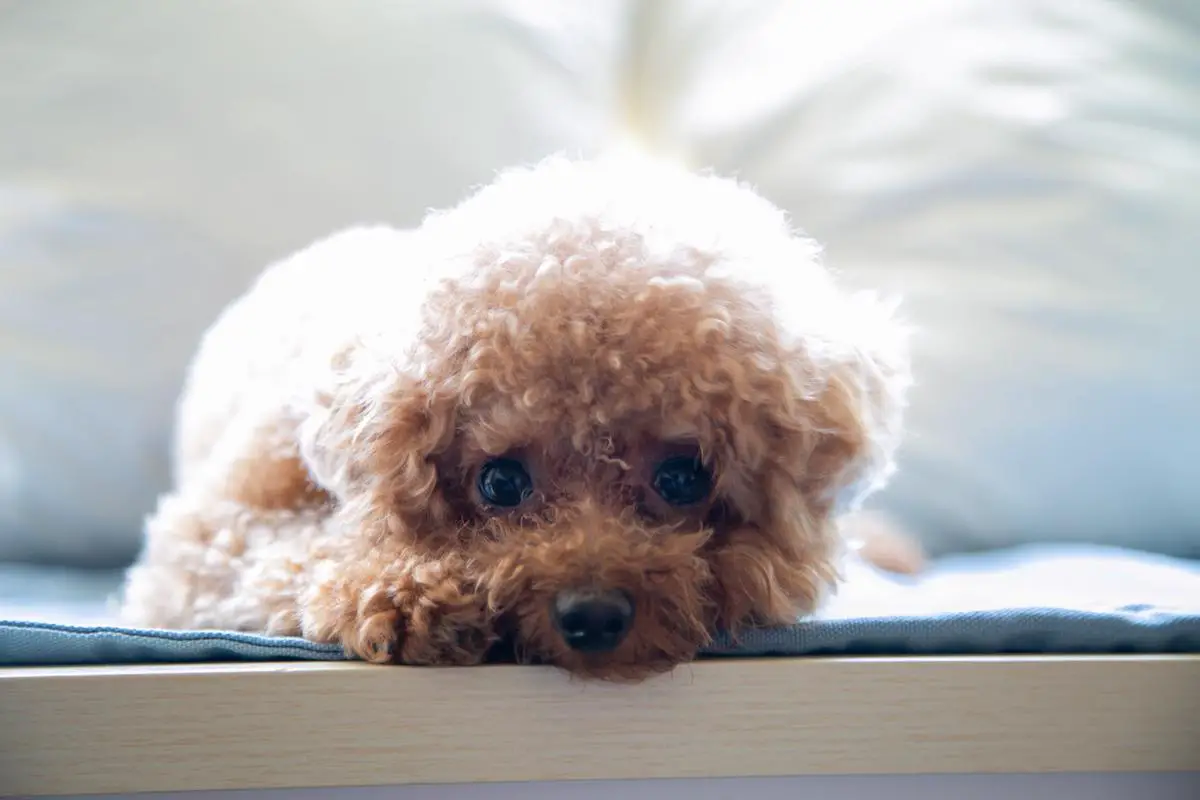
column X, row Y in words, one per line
column 682, row 481
column 504, row 483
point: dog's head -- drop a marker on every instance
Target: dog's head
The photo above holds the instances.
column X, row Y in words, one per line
column 634, row 405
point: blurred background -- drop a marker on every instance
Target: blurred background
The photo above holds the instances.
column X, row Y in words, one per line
column 1025, row 174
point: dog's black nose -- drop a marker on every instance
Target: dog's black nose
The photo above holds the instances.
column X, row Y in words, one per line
column 593, row 622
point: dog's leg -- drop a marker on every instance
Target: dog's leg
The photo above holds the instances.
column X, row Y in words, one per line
column 211, row 562
column 230, row 548
column 883, row 542
column 392, row 608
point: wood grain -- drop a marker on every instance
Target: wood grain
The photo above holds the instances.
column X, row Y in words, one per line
column 231, row 726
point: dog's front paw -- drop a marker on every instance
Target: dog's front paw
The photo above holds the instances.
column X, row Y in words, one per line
column 414, row 616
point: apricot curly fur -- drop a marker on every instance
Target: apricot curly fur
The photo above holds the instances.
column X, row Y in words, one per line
column 589, row 318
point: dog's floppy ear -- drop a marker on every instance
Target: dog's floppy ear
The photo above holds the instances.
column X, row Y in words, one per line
column 838, row 420
column 864, row 376
column 370, row 436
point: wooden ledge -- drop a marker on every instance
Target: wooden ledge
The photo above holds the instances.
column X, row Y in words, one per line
column 250, row 726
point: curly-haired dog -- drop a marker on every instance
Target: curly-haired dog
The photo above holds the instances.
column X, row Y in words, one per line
column 602, row 409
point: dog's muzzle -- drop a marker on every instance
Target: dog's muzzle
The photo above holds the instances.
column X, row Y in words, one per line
column 593, row 621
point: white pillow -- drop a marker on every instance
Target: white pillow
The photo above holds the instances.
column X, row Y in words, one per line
column 1026, row 174
column 152, row 163
column 95, row 324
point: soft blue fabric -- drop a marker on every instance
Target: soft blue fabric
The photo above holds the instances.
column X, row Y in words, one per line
column 1040, row 631
column 1030, row 600
column 46, row 643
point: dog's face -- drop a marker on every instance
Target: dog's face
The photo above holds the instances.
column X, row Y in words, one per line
column 634, row 464
column 628, row 449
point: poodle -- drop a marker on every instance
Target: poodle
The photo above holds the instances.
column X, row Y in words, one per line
column 597, row 412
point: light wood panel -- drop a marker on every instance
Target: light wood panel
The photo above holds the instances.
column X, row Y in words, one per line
column 227, row 726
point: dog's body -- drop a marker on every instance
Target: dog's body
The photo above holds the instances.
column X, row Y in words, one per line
column 604, row 408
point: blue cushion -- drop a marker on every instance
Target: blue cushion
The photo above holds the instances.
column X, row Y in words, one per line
column 1038, row 599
